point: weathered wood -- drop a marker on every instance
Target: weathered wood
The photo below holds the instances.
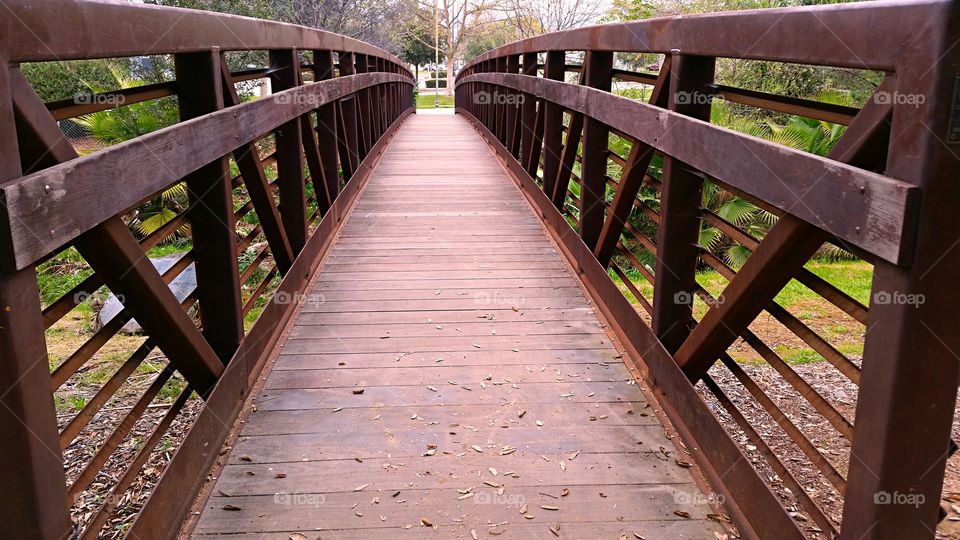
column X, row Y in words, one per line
column 327, row 125
column 32, row 467
column 308, row 417
column 908, row 386
column 210, row 212
column 285, row 75
column 111, row 251
column 598, row 72
column 678, row 232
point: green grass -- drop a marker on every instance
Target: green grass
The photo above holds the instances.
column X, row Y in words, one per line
column 426, row 100
column 851, row 277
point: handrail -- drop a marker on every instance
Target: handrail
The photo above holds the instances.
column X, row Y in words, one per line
column 324, row 135
column 881, row 193
column 35, row 32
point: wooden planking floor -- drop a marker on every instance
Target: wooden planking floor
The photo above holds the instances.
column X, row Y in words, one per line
column 488, row 384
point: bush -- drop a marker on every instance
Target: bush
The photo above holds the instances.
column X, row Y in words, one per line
column 54, row 81
column 432, row 83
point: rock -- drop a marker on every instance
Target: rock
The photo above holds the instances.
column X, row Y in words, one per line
column 182, row 286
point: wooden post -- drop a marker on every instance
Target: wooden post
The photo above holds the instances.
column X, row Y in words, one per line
column 363, row 108
column 32, row 466
column 598, row 68
column 348, row 121
column 327, row 124
column 675, row 273
column 908, row 384
column 513, row 111
column 554, row 69
column 285, row 74
column 212, row 226
column 528, row 111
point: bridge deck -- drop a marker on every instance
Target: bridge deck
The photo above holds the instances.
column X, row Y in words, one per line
column 448, row 371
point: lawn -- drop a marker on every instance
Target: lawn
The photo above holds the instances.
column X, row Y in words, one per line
column 426, row 100
column 844, row 333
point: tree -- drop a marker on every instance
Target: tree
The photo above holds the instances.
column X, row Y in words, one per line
column 373, row 21
column 459, row 22
column 417, row 44
column 535, row 17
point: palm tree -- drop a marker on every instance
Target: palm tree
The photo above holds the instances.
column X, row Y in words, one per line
column 126, row 122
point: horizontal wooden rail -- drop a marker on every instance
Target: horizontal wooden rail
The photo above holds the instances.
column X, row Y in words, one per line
column 66, row 200
column 34, row 32
column 866, row 209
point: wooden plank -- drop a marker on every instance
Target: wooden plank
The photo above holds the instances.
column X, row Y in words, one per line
column 447, row 353
column 723, row 464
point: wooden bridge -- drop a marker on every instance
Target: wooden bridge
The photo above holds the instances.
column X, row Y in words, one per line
column 481, row 324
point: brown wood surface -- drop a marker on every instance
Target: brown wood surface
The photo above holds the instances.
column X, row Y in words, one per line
column 450, row 333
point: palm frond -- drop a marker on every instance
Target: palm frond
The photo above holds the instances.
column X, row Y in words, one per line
column 736, row 255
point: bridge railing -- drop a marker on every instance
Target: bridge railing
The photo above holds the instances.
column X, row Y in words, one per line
column 621, row 183
column 268, row 180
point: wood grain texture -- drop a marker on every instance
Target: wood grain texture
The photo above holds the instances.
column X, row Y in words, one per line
column 408, row 370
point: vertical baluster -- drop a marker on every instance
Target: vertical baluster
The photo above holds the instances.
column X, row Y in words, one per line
column 212, row 223
column 677, row 235
column 32, row 466
column 327, row 124
column 361, row 66
column 554, row 69
column 285, row 74
column 350, row 150
column 533, row 121
column 513, row 109
column 908, row 384
column 593, row 179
